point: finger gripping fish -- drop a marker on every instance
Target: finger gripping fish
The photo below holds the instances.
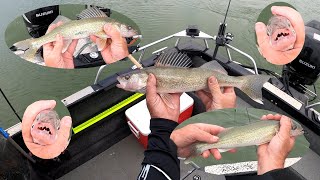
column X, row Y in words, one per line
column 172, row 79
column 257, row 133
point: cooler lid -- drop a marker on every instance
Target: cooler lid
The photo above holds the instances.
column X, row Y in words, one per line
column 140, row 117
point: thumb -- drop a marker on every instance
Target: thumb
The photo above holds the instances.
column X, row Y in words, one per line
column 112, row 32
column 204, row 136
column 64, row 132
column 59, row 45
column 151, row 89
column 262, row 37
column 285, row 128
column 214, row 86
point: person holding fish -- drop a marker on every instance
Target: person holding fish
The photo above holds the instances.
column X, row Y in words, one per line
column 43, row 133
column 165, row 144
column 115, row 49
column 60, row 41
column 282, row 39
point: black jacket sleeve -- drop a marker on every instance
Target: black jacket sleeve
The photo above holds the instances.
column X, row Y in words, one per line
column 160, row 161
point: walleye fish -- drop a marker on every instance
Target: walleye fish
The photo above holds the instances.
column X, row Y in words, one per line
column 44, row 129
column 172, row 78
column 257, row 133
column 91, row 22
column 281, row 33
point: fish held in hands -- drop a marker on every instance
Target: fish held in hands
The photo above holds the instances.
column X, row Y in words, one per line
column 256, row 133
column 91, row 22
column 173, row 76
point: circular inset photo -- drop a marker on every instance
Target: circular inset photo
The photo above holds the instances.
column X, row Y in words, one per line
column 280, row 33
column 244, row 140
column 72, row 36
column 46, row 128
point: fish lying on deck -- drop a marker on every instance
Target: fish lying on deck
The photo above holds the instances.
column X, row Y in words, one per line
column 257, row 133
column 281, row 33
column 91, row 22
column 44, row 129
column 173, row 76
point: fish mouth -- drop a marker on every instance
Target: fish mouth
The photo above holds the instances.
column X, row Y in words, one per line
column 282, row 39
column 45, row 128
column 43, row 133
column 121, row 86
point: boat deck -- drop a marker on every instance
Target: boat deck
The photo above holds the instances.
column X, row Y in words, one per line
column 121, row 161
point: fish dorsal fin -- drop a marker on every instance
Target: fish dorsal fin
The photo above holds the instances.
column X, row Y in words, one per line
column 173, row 59
column 91, row 13
column 214, row 66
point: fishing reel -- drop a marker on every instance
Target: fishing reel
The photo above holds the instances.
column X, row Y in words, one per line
column 228, row 37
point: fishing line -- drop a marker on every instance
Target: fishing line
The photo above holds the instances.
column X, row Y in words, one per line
column 225, row 17
column 12, row 108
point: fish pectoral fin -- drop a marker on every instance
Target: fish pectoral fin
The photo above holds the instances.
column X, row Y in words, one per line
column 101, row 44
column 101, row 41
column 66, row 44
column 223, row 150
column 142, row 90
column 167, row 99
column 101, row 35
column 258, row 101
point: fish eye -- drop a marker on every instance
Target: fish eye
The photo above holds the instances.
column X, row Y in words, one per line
column 126, row 77
column 129, row 27
column 294, row 127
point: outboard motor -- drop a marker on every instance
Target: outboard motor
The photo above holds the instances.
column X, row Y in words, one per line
column 305, row 69
column 38, row 20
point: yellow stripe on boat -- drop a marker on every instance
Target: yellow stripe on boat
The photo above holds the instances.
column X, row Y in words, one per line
column 106, row 113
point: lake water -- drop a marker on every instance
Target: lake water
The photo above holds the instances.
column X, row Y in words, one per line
column 24, row 83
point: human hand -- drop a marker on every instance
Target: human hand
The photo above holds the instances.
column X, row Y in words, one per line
column 185, row 137
column 47, row 151
column 52, row 51
column 273, row 154
column 264, row 46
column 215, row 99
column 116, row 47
column 156, row 105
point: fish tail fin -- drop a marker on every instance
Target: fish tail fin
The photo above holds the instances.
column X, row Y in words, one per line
column 27, row 47
column 252, row 86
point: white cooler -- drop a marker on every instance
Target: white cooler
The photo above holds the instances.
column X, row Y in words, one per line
column 138, row 117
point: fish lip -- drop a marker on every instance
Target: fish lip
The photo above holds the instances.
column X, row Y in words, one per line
column 137, row 36
column 120, row 86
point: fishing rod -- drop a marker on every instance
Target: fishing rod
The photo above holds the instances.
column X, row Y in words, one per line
column 7, row 136
column 12, row 108
column 221, row 38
